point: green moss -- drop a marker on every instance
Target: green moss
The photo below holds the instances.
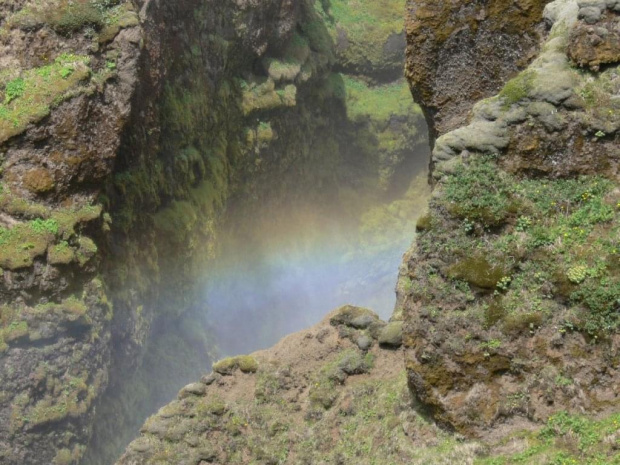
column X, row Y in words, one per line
column 262, row 95
column 20, row 245
column 368, row 26
column 212, row 405
column 245, row 363
column 565, row 440
column 86, row 250
column 565, row 257
column 71, row 16
column 378, row 102
column 117, row 18
column 72, row 399
column 478, row 271
column 424, row 223
column 480, row 192
column 323, row 391
column 282, row 70
column 176, row 220
column 69, row 218
column 26, row 241
column 16, row 330
column 518, row 88
column 40, row 89
column 69, row 456
column 60, row 254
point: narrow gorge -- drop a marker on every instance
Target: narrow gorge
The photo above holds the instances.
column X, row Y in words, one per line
column 183, row 183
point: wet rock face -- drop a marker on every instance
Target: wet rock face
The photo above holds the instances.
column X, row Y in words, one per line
column 461, row 52
column 500, row 315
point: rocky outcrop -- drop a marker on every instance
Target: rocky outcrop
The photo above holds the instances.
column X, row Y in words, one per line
column 511, row 292
column 461, row 52
column 323, row 395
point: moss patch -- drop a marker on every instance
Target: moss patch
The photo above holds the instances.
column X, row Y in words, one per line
column 40, row 89
column 363, row 31
column 227, row 366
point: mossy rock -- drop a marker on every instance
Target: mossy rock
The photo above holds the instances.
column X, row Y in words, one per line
column 86, row 250
column 347, row 314
column 60, row 254
column 477, row 271
column 20, row 245
column 392, row 334
column 424, row 222
column 35, row 92
column 214, row 406
column 38, row 180
column 70, row 16
column 227, row 366
column 518, row 88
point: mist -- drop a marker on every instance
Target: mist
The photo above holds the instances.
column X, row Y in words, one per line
column 284, row 265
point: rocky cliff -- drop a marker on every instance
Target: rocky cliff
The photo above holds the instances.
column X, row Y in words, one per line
column 126, row 131
column 511, row 292
column 461, row 52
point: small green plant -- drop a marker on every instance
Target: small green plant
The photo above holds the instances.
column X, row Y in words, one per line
column 14, row 89
column 468, row 226
column 110, row 65
column 523, row 223
column 492, row 344
column 518, row 88
column 599, row 134
column 41, row 226
column 577, row 274
column 66, row 71
column 503, row 283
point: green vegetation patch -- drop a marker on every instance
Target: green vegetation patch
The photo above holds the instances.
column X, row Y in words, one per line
column 368, row 25
column 565, row 440
column 350, row 362
column 518, row 88
column 227, row 366
column 262, row 95
column 25, row 241
column 28, row 98
column 537, row 247
column 378, row 102
column 480, row 192
column 21, row 244
column 70, row 396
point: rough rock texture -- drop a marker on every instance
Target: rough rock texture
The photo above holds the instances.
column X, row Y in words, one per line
column 511, row 293
column 595, row 41
column 510, row 300
column 463, row 51
column 65, row 101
